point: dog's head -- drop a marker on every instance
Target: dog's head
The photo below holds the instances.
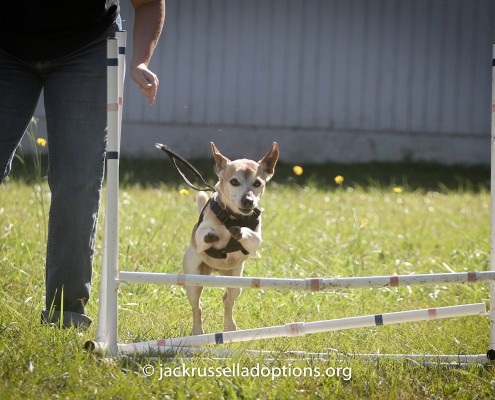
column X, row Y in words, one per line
column 242, row 182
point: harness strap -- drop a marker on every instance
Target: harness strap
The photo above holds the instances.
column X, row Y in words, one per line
column 229, row 220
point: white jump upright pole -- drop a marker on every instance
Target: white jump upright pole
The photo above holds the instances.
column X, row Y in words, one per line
column 106, row 336
column 122, row 40
column 491, row 349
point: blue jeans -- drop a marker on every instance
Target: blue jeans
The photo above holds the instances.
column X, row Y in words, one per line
column 75, row 105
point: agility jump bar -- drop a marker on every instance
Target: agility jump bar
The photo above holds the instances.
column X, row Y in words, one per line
column 299, row 329
column 308, row 284
column 330, row 355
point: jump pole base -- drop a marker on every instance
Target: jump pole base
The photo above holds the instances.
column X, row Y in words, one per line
column 332, row 356
column 95, row 347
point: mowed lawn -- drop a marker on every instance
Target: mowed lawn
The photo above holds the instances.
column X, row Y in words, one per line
column 423, row 219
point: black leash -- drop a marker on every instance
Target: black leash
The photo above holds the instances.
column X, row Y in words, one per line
column 174, row 157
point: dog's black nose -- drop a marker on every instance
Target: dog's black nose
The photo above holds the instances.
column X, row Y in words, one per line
column 247, row 200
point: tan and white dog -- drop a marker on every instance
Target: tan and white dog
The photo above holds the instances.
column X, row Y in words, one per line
column 229, row 228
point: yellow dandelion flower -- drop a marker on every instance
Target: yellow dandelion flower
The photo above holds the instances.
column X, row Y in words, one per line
column 297, row 170
column 397, row 189
column 339, row 179
column 183, row 192
column 41, row 142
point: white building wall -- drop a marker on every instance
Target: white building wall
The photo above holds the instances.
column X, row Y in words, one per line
column 330, row 80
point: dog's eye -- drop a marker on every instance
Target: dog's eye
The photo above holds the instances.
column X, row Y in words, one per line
column 234, row 182
column 257, row 184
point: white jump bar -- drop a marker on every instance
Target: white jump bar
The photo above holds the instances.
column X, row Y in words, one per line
column 309, row 284
column 303, row 328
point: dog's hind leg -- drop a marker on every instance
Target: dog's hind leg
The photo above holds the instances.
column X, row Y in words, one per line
column 229, row 298
column 193, row 295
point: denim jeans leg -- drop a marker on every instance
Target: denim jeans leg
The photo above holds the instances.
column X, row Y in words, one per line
column 20, row 88
column 75, row 105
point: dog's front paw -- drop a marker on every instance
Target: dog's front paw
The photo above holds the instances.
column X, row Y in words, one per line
column 211, row 237
column 236, row 233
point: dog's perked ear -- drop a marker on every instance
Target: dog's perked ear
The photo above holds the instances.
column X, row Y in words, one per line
column 221, row 161
column 268, row 162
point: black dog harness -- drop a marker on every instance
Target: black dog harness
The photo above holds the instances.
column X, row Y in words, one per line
column 229, row 219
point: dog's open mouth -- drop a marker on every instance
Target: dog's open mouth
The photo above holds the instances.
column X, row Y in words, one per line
column 246, row 211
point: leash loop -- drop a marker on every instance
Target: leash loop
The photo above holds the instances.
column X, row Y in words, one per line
column 174, row 157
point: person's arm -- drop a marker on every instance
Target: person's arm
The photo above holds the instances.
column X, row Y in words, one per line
column 148, row 23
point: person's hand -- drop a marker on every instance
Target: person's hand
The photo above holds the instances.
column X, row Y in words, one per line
column 146, row 80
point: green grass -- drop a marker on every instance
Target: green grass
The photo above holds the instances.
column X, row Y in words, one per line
column 311, row 227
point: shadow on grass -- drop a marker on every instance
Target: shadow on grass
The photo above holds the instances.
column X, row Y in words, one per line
column 408, row 175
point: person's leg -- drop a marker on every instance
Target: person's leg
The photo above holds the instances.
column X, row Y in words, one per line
column 20, row 88
column 75, row 104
